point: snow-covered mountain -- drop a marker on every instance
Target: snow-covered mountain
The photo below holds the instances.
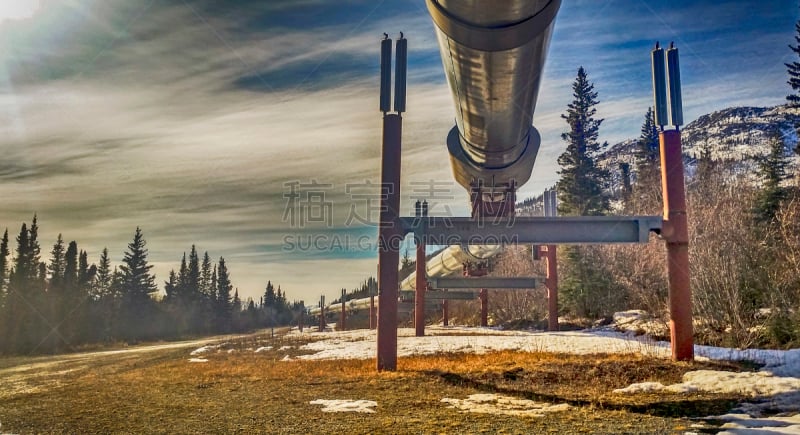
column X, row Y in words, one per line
column 736, row 134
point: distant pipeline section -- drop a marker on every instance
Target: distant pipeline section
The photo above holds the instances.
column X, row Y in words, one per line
column 493, row 53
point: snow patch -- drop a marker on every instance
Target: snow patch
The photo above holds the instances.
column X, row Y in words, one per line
column 204, row 349
column 339, row 405
column 497, row 404
column 743, row 424
column 263, row 349
column 197, row 360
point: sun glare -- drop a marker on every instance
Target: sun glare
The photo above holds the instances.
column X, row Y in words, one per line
column 17, row 9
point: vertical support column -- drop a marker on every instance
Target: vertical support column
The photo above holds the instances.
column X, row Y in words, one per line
column 445, row 314
column 551, row 282
column 343, row 314
column 421, row 283
column 551, row 263
column 322, row 314
column 371, row 311
column 389, row 240
column 302, row 316
column 676, row 234
column 484, row 297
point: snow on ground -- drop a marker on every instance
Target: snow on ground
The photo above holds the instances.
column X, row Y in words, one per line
column 774, row 388
column 743, row 424
column 339, row 405
column 263, row 349
column 197, row 360
column 204, row 349
column 497, row 404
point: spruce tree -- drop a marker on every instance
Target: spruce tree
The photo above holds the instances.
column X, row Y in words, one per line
column 793, row 69
column 3, row 265
column 205, row 277
column 772, row 169
column 137, row 283
column 224, row 287
column 647, row 148
column 56, row 266
column 581, row 186
column 103, row 277
column 193, row 278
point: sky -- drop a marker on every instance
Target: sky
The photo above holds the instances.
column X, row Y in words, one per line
column 251, row 129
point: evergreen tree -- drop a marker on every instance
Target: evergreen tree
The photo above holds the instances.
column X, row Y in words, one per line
column 3, row 266
column 103, row 277
column 183, row 281
column 193, row 278
column 86, row 273
column 136, row 286
column 224, row 287
column 269, row 295
column 56, row 266
column 70, row 278
column 171, row 287
column 581, row 185
column 647, row 148
column 772, row 169
column 793, row 69
column 205, row 277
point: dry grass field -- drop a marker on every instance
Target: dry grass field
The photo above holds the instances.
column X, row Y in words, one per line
column 240, row 391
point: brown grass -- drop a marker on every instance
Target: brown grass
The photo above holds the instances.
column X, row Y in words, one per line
column 244, row 392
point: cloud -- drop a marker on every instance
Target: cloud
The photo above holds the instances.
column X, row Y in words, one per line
column 192, row 118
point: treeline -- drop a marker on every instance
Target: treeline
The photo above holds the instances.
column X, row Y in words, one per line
column 64, row 302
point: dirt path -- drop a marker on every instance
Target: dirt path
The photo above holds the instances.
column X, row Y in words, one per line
column 33, row 374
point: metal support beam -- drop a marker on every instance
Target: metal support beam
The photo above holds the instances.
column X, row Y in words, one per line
column 550, row 258
column 343, row 314
column 677, row 236
column 539, row 230
column 389, row 237
column 409, row 295
column 421, row 278
column 492, row 282
column 483, row 295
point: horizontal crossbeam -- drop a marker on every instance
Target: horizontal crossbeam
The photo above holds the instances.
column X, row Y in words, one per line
column 486, row 282
column 571, row 230
column 437, row 294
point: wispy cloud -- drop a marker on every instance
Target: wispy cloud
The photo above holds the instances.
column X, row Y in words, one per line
column 189, row 118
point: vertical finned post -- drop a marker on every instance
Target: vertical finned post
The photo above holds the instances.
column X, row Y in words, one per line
column 674, row 89
column 400, row 74
column 389, row 238
column 659, row 86
column 386, row 74
column 676, row 234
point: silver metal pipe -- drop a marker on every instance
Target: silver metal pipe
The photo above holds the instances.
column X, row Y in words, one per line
column 493, row 53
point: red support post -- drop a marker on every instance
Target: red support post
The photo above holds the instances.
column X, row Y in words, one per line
column 302, row 315
column 419, row 293
column 389, row 238
column 484, row 297
column 676, row 233
column 551, row 282
column 343, row 314
column 371, row 311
